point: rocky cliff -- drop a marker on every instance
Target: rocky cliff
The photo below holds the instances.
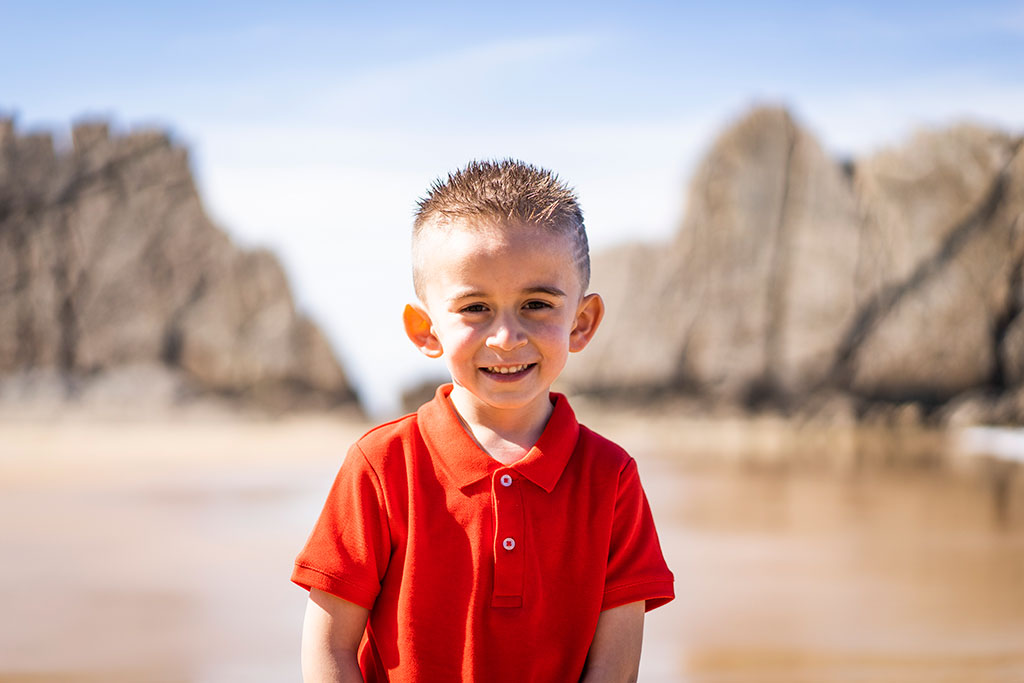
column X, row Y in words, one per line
column 898, row 278
column 116, row 287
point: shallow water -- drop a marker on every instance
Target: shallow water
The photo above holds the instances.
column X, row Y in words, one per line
column 162, row 553
column 880, row 576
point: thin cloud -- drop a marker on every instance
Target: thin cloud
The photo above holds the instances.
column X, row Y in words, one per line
column 444, row 71
column 218, row 39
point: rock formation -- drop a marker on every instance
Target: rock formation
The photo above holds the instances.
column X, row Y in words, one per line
column 113, row 279
column 893, row 279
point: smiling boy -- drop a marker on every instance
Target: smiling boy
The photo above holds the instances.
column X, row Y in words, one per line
column 488, row 536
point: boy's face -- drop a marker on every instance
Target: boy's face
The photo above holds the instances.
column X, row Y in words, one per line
column 503, row 307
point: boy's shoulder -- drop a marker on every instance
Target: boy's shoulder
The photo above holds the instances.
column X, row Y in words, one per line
column 387, row 435
column 603, row 449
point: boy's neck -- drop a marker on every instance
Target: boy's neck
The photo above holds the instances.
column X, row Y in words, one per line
column 507, row 435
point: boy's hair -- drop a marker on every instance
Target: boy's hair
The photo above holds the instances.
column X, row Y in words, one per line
column 503, row 192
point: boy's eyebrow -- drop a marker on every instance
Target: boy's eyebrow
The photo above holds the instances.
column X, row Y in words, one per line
column 537, row 289
column 544, row 289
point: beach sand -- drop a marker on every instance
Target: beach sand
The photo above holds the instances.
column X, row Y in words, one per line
column 160, row 550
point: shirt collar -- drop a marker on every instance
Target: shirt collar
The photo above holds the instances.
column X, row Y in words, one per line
column 466, row 463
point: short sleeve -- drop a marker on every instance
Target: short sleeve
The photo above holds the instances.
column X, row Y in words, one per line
column 347, row 553
column 636, row 566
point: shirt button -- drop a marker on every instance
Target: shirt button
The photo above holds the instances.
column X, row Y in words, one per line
column 506, row 480
column 508, row 543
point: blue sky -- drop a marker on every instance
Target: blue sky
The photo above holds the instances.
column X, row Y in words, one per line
column 314, row 127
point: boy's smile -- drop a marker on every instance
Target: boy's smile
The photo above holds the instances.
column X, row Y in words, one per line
column 504, row 306
column 513, row 372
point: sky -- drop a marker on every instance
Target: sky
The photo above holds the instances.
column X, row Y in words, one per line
column 313, row 128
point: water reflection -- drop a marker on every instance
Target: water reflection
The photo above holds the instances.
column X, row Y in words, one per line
column 880, row 574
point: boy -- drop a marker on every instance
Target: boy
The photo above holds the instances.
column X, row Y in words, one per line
column 487, row 537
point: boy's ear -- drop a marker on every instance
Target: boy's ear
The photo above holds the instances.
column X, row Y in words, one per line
column 420, row 330
column 588, row 317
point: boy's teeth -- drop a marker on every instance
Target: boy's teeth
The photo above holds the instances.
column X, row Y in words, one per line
column 508, row 370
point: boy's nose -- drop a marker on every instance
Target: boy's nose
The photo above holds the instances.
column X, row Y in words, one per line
column 506, row 335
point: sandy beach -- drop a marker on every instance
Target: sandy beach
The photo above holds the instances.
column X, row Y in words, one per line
column 160, row 550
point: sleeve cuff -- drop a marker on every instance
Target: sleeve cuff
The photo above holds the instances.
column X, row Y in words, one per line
column 308, row 577
column 655, row 593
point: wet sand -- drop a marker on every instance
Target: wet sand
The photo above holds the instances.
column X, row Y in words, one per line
column 160, row 551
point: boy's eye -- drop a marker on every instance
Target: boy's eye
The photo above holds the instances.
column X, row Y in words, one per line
column 536, row 305
column 474, row 308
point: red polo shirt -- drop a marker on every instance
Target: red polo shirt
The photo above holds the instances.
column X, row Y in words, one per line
column 477, row 571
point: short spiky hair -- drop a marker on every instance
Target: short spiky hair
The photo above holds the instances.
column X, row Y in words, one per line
column 504, row 192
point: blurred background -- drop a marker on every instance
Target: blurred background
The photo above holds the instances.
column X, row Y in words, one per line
column 807, row 224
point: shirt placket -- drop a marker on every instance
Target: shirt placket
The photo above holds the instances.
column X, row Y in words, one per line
column 509, row 541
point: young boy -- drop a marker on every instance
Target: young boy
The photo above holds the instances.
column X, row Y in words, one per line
column 487, row 537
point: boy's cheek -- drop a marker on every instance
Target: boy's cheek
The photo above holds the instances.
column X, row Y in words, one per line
column 554, row 332
column 459, row 342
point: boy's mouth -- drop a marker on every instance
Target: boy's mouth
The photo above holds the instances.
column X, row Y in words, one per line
column 507, row 370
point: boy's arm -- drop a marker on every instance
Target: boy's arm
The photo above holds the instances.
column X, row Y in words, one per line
column 330, row 639
column 614, row 655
